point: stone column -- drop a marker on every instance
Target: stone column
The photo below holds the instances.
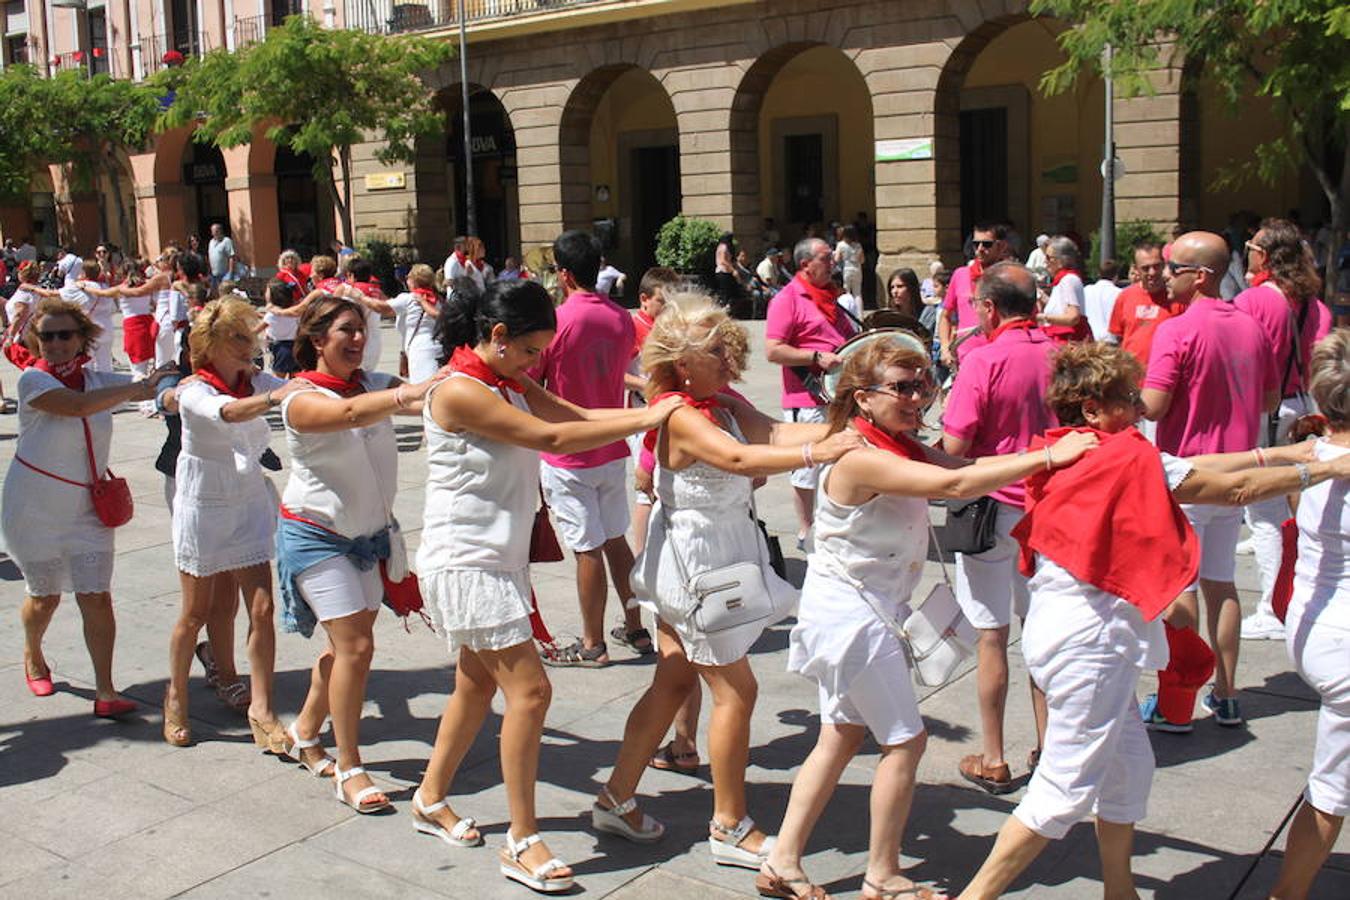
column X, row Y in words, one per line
column 160, row 206
column 254, row 217
column 79, row 220
column 1150, row 136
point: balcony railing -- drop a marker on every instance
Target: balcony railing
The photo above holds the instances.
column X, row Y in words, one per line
column 249, row 30
column 393, row 16
column 157, row 49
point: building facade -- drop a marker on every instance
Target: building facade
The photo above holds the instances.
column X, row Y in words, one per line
column 921, row 115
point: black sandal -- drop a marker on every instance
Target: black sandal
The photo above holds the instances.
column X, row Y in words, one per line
column 576, row 655
column 639, row 639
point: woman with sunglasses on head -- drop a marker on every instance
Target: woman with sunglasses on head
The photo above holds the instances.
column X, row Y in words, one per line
column 336, row 528
column 486, row 424
column 49, row 524
column 1096, row 615
column 872, row 532
column 708, row 454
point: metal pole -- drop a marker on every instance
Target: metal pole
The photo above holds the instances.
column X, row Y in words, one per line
column 470, row 211
column 1108, row 233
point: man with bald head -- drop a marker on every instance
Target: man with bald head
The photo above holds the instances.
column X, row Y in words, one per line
column 803, row 327
column 1211, row 377
column 997, row 405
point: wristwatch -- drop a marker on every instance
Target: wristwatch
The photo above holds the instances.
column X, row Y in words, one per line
column 815, row 358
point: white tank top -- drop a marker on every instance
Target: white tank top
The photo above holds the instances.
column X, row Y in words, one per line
column 881, row 543
column 344, row 480
column 482, row 495
column 136, row 306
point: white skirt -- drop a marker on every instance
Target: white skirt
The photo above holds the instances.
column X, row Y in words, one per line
column 482, row 609
column 53, row 535
column 837, row 636
column 222, row 520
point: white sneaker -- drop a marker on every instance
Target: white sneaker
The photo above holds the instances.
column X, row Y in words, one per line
column 1261, row 626
column 1245, row 547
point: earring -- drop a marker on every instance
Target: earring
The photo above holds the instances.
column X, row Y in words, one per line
column 501, row 350
column 687, row 382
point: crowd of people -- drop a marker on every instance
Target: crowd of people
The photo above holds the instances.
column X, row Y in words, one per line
column 1081, row 429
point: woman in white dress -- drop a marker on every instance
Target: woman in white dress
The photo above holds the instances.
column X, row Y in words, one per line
column 849, row 258
column 337, row 527
column 1096, row 616
column 49, row 525
column 1317, row 629
column 416, row 311
column 871, row 540
column 1062, row 316
column 485, row 427
column 225, row 509
column 707, row 456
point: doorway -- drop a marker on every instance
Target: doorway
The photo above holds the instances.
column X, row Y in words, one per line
column 656, row 200
column 804, row 168
column 984, row 166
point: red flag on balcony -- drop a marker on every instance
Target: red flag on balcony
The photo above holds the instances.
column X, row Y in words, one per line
column 98, row 53
column 173, row 58
column 78, row 56
column 56, row 61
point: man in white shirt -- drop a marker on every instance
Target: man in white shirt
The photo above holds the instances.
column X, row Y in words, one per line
column 220, row 253
column 608, row 279
column 456, row 264
column 69, row 266
column 1100, row 299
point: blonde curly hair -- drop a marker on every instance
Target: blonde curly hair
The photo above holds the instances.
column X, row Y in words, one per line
column 1091, row 371
column 691, row 323
column 220, row 322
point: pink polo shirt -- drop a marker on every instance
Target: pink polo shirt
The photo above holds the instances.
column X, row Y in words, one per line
column 997, row 402
column 796, row 321
column 585, row 363
column 1216, row 362
column 1277, row 318
column 961, row 299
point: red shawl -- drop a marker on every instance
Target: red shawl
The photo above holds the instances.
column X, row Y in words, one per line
column 243, row 387
column 1111, row 521
column 470, row 363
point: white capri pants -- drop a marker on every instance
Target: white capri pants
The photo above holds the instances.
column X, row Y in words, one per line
column 805, row 477
column 989, row 588
column 1320, row 653
column 1097, row 758
column 1265, row 516
column 336, row 588
column 1217, row 529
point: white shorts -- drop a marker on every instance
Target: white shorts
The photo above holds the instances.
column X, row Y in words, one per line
column 1217, row 529
column 589, row 505
column 805, row 477
column 335, row 588
column 989, row 588
column 880, row 698
column 1319, row 653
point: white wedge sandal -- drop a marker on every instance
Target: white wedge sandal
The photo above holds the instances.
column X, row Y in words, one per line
column 319, row 769
column 454, row 836
column 612, row 820
column 726, row 846
column 536, row 878
column 339, row 777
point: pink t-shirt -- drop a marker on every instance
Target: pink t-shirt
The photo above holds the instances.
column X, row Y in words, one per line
column 997, row 402
column 1216, row 363
column 585, row 363
column 1277, row 318
column 961, row 299
column 793, row 319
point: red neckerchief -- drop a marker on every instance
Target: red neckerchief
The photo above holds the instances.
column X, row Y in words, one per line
column 426, row 294
column 470, row 363
column 1098, row 517
column 1062, row 274
column 480, row 264
column 823, row 297
column 242, row 388
column 328, row 285
column 71, row 373
column 707, row 406
column 1011, row 325
column 900, row 445
column 459, row 255
column 976, row 270
column 1260, row 278
column 348, row 388
column 370, row 289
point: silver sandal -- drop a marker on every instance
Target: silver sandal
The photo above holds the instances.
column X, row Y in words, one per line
column 612, row 820
column 726, row 845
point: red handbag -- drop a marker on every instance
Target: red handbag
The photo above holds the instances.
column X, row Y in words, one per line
column 544, row 546
column 403, row 597
column 1284, row 580
column 111, row 495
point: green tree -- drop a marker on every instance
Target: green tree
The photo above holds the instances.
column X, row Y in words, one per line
column 317, row 91
column 25, row 140
column 1293, row 51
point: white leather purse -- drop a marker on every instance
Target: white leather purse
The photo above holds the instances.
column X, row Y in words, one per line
column 936, row 636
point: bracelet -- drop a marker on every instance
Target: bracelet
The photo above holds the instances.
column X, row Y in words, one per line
column 1049, row 463
column 1260, row 456
column 271, row 403
column 1304, row 476
column 398, row 396
column 808, row 460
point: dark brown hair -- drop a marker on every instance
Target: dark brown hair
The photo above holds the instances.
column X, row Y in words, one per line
column 1286, row 259
column 314, row 324
column 864, row 368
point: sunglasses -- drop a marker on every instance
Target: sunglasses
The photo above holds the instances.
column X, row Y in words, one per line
column 1253, row 247
column 920, row 387
column 985, row 244
column 60, row 334
column 1177, row 268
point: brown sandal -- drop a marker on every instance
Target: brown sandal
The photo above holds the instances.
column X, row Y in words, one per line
column 771, row 884
column 993, row 779
column 667, row 760
column 235, row 695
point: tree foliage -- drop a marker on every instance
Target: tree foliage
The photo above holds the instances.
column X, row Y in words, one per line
column 317, row 91
column 25, row 142
column 1292, row 51
column 688, row 245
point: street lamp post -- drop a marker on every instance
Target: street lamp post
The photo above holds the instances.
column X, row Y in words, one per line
column 1108, row 232
column 470, row 212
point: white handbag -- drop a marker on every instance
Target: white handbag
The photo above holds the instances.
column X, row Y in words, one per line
column 396, row 566
column 732, row 596
column 937, row 637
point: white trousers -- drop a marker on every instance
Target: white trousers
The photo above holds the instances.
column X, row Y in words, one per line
column 1097, row 758
column 1265, row 516
column 1320, row 651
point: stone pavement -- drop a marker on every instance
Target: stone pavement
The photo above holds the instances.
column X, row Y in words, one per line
column 107, row 809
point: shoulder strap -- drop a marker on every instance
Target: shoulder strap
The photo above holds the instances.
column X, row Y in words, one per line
column 1295, row 357
column 89, row 448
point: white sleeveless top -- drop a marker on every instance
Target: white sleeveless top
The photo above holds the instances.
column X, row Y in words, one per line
column 344, row 480
column 481, row 495
column 170, row 308
column 136, row 306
